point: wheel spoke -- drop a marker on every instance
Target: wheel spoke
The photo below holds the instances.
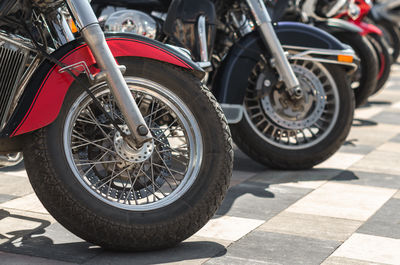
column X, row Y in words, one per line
column 104, row 165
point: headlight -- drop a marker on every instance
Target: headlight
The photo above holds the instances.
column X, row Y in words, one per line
column 354, row 11
column 132, row 21
column 369, row 2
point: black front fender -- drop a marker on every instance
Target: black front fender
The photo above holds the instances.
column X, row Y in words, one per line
column 231, row 80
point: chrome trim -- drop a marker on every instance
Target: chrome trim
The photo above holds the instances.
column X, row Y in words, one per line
column 305, row 54
column 13, row 67
column 268, row 34
column 236, row 117
column 60, row 28
column 339, row 4
column 18, row 41
column 83, row 13
column 202, row 31
column 95, row 39
column 82, row 65
column 24, row 82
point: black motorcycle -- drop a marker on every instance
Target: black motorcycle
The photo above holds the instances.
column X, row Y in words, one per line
column 283, row 88
column 365, row 39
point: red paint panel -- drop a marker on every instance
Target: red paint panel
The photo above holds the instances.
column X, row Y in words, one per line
column 368, row 29
column 50, row 96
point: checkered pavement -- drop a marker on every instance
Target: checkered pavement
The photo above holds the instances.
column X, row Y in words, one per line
column 344, row 211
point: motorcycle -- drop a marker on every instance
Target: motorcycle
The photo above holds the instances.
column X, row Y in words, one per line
column 282, row 87
column 321, row 14
column 357, row 14
column 123, row 145
column 386, row 15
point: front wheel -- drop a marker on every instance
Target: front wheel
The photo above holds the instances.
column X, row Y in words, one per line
column 285, row 133
column 385, row 59
column 365, row 80
column 118, row 197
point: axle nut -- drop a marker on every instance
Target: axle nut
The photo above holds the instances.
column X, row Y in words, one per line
column 142, row 130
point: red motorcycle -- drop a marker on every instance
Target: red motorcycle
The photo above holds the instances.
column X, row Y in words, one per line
column 357, row 14
column 122, row 143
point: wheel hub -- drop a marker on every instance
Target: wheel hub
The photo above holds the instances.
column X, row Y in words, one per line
column 129, row 154
column 296, row 113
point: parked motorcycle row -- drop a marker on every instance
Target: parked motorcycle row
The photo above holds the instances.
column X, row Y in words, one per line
column 127, row 136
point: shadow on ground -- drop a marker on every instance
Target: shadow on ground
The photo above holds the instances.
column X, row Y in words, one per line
column 376, row 103
column 262, row 195
column 363, row 123
column 52, row 241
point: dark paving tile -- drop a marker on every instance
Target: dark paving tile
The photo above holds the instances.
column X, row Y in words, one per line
column 6, row 197
column 286, row 176
column 259, row 201
column 385, row 222
column 387, row 117
column 244, row 163
column 261, row 247
column 52, row 242
column 369, row 179
column 184, row 252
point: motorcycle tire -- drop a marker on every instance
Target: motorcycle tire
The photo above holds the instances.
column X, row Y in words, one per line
column 265, row 135
column 365, row 81
column 392, row 36
column 164, row 197
column 384, row 59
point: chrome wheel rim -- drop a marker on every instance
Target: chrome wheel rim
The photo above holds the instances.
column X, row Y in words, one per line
column 134, row 179
column 292, row 125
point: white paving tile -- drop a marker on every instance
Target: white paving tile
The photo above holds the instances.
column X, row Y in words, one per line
column 389, row 147
column 228, row 228
column 370, row 248
column 397, row 195
column 9, row 225
column 396, row 105
column 343, row 201
column 346, row 261
column 340, row 161
column 27, row 203
column 379, row 162
column 367, row 113
column 373, row 135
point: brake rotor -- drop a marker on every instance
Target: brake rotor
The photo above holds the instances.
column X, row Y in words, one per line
column 129, row 154
column 296, row 114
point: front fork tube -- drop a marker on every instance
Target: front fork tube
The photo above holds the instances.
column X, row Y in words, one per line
column 95, row 39
column 268, row 35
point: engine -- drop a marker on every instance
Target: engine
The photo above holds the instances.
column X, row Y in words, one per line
column 12, row 64
column 132, row 21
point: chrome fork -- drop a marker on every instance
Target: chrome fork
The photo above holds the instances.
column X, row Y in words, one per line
column 95, row 39
column 282, row 65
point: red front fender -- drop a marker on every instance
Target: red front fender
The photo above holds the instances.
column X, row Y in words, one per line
column 367, row 28
column 44, row 95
